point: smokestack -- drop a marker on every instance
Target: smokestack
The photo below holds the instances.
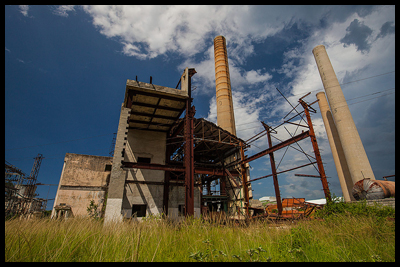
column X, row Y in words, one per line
column 336, row 147
column 353, row 149
column 225, row 115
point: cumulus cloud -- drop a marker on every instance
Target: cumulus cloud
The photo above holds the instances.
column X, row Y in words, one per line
column 255, row 76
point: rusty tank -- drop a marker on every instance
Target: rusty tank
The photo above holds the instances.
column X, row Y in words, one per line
column 373, row 189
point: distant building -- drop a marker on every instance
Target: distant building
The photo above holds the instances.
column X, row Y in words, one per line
column 270, row 199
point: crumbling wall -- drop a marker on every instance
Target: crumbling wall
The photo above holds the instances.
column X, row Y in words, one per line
column 83, row 178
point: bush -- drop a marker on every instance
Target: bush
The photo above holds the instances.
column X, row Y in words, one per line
column 360, row 208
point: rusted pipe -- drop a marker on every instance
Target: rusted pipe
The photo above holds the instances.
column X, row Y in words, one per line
column 373, row 189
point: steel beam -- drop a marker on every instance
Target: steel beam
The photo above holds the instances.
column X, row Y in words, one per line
column 316, row 151
column 274, row 174
column 174, row 168
column 277, row 146
column 244, row 179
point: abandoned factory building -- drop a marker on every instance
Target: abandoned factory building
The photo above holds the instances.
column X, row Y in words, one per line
column 165, row 161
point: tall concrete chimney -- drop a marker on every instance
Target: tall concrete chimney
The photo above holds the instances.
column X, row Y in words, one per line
column 225, row 115
column 336, row 147
column 353, row 149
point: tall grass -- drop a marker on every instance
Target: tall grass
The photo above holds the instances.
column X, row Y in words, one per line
column 337, row 238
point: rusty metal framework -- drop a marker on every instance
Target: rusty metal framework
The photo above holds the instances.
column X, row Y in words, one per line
column 294, row 139
column 20, row 190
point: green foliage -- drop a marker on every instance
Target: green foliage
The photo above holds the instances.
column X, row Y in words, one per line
column 360, row 208
column 92, row 210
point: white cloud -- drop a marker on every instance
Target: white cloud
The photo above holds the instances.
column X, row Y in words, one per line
column 24, row 10
column 63, row 10
column 255, row 76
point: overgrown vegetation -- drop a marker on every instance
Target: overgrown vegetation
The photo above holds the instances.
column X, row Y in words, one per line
column 335, row 207
column 341, row 233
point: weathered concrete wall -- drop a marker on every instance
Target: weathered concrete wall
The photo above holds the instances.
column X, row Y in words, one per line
column 151, row 145
column 83, row 178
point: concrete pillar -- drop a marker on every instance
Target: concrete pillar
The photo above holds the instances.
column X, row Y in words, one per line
column 117, row 177
column 225, row 115
column 336, row 148
column 353, row 149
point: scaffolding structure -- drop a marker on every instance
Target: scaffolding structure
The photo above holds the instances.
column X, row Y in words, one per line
column 20, row 198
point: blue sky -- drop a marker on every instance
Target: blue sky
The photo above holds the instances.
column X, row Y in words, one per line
column 66, row 68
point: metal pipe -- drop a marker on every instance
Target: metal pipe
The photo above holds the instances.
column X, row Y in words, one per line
column 373, row 189
column 225, row 114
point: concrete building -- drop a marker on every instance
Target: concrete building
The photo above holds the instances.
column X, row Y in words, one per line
column 161, row 162
column 83, row 178
column 353, row 149
column 165, row 163
column 154, row 149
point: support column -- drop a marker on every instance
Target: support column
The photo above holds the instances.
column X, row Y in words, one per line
column 186, row 84
column 318, row 158
column 274, row 175
column 356, row 158
column 336, row 147
column 244, row 180
column 189, row 160
column 117, row 176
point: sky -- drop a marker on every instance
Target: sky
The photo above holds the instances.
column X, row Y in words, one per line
column 66, row 69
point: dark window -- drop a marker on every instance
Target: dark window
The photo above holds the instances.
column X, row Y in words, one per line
column 139, row 210
column 143, row 160
column 108, row 168
column 181, row 210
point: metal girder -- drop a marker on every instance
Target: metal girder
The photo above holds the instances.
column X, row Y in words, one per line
column 277, row 147
column 198, row 170
column 274, row 174
column 316, row 151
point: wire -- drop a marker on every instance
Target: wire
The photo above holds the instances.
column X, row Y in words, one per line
column 352, row 81
column 347, row 100
column 321, row 89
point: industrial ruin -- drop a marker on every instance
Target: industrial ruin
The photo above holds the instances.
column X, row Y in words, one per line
column 166, row 162
column 20, row 197
column 167, row 165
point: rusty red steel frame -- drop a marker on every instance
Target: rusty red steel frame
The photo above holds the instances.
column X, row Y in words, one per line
column 269, row 151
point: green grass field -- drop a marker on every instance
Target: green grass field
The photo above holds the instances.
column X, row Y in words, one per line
column 339, row 237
